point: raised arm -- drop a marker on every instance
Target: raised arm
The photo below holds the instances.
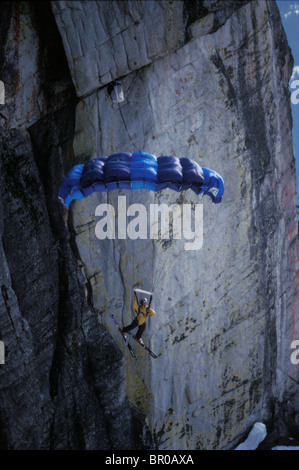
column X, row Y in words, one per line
column 135, row 305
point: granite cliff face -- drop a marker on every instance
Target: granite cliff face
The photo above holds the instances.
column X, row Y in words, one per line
column 207, row 79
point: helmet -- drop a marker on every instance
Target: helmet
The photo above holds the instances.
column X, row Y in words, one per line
column 144, row 300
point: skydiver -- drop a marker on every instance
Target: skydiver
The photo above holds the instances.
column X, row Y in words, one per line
column 143, row 311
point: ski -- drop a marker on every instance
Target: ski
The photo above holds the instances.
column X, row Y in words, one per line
column 151, row 353
column 132, row 352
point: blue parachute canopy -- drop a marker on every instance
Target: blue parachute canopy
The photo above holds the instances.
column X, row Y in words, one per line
column 139, row 170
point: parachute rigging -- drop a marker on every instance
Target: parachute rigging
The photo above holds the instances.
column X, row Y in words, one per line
column 139, row 293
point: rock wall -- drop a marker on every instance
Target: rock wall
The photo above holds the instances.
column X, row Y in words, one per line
column 63, row 383
column 205, row 79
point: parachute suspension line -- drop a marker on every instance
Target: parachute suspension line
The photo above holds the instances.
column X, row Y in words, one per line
column 154, row 277
column 127, row 130
column 133, row 262
column 140, row 151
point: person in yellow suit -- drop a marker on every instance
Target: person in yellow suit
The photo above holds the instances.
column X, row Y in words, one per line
column 143, row 311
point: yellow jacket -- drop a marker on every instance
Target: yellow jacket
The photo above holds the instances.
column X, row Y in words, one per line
column 142, row 312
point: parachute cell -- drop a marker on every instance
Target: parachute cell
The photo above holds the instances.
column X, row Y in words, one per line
column 140, row 170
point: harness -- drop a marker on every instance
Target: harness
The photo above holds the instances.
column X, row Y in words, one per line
column 146, row 312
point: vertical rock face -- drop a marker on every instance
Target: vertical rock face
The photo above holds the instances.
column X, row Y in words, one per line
column 63, row 385
column 205, row 79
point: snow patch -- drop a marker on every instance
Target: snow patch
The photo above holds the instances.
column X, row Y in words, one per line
column 285, row 448
column 255, row 437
